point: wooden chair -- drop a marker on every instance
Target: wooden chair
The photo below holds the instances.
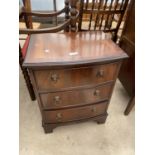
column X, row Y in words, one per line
column 103, row 15
column 71, row 15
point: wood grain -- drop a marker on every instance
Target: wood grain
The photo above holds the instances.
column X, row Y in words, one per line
column 127, row 43
column 74, row 77
column 76, row 97
column 68, row 87
column 74, row 114
column 71, row 48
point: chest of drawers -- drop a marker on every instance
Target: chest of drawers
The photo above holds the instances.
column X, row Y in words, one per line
column 73, row 75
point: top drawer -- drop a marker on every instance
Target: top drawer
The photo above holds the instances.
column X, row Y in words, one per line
column 74, row 77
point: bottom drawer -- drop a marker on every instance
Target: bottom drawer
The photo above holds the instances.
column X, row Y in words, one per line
column 72, row 114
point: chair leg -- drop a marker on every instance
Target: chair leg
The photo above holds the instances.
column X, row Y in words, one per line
column 129, row 106
column 28, row 83
column 26, row 77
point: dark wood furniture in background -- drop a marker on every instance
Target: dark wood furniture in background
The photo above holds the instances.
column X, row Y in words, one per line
column 102, row 14
column 105, row 15
column 26, row 75
column 73, row 75
column 127, row 43
column 27, row 7
column 71, row 16
column 40, row 16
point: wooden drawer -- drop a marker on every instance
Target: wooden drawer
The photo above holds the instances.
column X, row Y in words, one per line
column 69, row 78
column 76, row 97
column 73, row 114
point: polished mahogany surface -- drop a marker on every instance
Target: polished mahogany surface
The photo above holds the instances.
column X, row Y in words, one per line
column 71, row 48
column 73, row 114
column 56, row 79
column 76, row 97
column 73, row 75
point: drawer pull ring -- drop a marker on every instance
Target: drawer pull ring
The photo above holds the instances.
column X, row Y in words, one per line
column 100, row 73
column 54, row 77
column 58, row 117
column 56, row 99
column 93, row 109
column 96, row 93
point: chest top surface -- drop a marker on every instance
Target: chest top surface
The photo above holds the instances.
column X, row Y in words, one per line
column 71, row 48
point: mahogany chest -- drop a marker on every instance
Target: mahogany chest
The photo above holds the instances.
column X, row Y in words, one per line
column 73, row 75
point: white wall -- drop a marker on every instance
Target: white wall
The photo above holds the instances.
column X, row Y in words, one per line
column 46, row 4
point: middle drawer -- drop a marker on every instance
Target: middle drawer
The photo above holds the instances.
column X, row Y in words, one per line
column 76, row 97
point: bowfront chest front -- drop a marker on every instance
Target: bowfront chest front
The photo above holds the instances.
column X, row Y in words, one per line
column 73, row 75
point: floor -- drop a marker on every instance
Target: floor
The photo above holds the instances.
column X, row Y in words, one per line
column 115, row 137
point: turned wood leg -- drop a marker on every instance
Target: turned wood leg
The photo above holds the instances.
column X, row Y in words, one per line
column 28, row 83
column 114, row 37
column 26, row 76
column 129, row 106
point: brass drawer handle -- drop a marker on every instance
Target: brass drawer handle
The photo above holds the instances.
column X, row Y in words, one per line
column 58, row 117
column 54, row 77
column 57, row 99
column 100, row 73
column 93, row 109
column 96, row 93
